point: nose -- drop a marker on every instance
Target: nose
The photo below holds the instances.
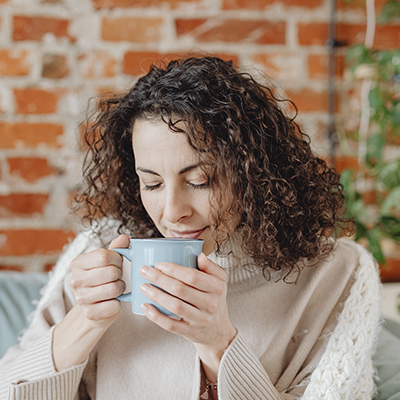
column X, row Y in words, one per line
column 177, row 205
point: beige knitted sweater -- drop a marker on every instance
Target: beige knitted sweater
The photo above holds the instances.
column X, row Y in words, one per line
column 311, row 340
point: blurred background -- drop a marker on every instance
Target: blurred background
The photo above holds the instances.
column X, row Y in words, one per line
column 338, row 61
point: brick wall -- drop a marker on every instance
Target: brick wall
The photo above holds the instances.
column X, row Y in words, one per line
column 55, row 54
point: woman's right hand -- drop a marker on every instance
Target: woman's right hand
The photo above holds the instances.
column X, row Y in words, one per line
column 97, row 280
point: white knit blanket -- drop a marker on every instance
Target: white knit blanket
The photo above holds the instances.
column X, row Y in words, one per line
column 345, row 370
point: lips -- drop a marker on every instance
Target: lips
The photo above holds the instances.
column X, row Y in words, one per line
column 187, row 234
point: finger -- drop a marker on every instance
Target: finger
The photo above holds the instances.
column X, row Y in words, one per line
column 122, row 242
column 169, row 324
column 210, row 267
column 95, row 277
column 173, row 304
column 207, row 281
column 101, row 310
column 190, row 276
column 103, row 275
column 179, row 289
column 96, row 294
column 96, row 259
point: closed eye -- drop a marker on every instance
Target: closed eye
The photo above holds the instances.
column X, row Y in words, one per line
column 151, row 187
column 198, row 186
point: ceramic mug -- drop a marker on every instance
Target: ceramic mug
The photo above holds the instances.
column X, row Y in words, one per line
column 150, row 251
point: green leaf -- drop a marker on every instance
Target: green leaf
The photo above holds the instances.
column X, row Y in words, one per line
column 392, row 202
column 396, row 116
column 374, row 238
column 390, row 174
column 375, row 147
column 390, row 226
column 358, row 210
column 358, row 54
column 390, row 11
column 375, row 99
column 361, row 230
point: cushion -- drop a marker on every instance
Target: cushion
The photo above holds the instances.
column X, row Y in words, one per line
column 17, row 293
column 387, row 362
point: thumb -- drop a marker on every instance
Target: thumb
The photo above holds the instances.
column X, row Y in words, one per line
column 122, row 242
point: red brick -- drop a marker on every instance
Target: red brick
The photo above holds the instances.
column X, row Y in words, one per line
column 109, row 4
column 14, row 62
column 316, row 34
column 186, row 26
column 309, row 100
column 55, row 66
column 393, row 139
column 27, row 242
column 138, row 62
column 29, row 169
column 98, row 64
column 8, row 267
column 131, row 29
column 346, row 162
column 35, row 101
column 233, row 30
column 369, row 197
column 318, row 65
column 281, row 65
column 3, row 1
column 261, row 4
column 35, row 28
column 386, row 37
column 49, row 267
column 26, row 134
column 22, row 204
column 313, row 34
column 390, row 272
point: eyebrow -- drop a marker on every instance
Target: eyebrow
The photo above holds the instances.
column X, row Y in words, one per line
column 181, row 172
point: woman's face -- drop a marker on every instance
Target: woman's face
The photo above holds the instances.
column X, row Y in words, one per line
column 174, row 190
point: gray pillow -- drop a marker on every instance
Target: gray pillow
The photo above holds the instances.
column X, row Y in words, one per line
column 387, row 362
column 17, row 292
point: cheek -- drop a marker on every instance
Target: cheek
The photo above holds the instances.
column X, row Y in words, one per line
column 150, row 204
column 207, row 208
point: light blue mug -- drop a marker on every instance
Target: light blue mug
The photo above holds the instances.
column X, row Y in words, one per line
column 150, row 251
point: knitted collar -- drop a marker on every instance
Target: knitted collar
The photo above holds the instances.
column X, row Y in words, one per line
column 240, row 267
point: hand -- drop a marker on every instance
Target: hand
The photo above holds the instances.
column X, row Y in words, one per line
column 97, row 280
column 199, row 298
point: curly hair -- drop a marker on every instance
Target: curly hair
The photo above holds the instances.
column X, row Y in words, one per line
column 287, row 200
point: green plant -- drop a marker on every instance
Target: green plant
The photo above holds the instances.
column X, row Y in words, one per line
column 378, row 147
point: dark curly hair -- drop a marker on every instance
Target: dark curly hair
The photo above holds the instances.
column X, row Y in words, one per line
column 287, row 200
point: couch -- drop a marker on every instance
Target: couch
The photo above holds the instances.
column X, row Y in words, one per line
column 19, row 291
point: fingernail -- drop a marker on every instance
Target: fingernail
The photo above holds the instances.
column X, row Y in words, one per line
column 144, row 270
column 144, row 288
column 160, row 266
column 145, row 308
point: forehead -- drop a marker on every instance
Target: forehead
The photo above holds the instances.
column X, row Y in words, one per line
column 153, row 141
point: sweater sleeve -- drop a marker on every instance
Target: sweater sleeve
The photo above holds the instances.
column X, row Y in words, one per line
column 27, row 370
column 242, row 376
column 33, row 376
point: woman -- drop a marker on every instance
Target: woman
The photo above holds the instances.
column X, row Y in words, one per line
column 277, row 310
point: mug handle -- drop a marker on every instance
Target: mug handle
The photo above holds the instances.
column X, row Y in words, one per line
column 126, row 297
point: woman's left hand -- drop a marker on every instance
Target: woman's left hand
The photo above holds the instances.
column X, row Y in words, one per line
column 199, row 298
